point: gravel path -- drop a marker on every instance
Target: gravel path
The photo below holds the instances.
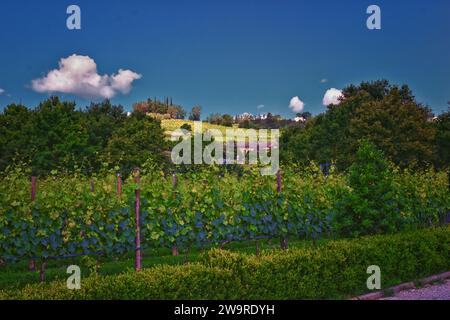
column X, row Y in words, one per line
column 430, row 292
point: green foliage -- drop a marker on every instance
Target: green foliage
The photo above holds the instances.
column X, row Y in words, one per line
column 57, row 136
column 338, row 268
column 423, row 197
column 442, row 124
column 195, row 113
column 381, row 199
column 223, row 120
column 140, row 139
column 334, row 270
column 369, row 207
column 164, row 108
column 186, row 126
column 270, row 121
column 76, row 214
column 61, row 221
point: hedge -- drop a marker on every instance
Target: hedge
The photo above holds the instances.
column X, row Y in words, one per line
column 338, row 269
column 334, row 270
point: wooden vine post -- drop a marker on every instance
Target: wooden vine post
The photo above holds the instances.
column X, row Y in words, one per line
column 279, row 185
column 32, row 262
column 42, row 271
column 138, row 260
column 33, row 188
column 119, row 185
column 284, row 239
column 174, row 185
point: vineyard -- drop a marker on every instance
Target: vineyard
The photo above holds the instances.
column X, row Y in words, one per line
column 190, row 151
column 62, row 216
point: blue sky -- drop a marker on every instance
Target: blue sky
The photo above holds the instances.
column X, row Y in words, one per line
column 230, row 56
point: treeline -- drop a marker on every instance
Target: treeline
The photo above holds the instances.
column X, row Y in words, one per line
column 388, row 115
column 271, row 121
column 265, row 121
column 56, row 135
column 166, row 109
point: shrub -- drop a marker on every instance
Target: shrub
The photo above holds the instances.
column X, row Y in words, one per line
column 186, row 126
column 334, row 270
column 193, row 281
column 382, row 199
column 370, row 207
column 423, row 198
column 338, row 268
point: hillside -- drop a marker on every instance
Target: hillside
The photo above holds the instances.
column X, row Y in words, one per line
column 170, row 125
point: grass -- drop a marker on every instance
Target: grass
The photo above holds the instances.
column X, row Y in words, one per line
column 14, row 276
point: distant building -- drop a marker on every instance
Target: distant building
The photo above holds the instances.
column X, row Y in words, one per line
column 300, row 119
column 262, row 116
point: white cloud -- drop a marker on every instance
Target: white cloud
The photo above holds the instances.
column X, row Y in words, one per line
column 78, row 75
column 296, row 104
column 260, row 106
column 2, row 91
column 324, row 80
column 332, row 96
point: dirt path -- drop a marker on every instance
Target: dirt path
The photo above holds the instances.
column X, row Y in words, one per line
column 439, row 291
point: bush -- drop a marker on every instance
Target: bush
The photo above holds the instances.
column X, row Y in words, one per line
column 334, row 270
column 186, row 126
column 193, row 281
column 370, row 207
column 382, row 199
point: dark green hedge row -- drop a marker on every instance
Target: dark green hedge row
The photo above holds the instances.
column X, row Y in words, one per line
column 334, row 270
column 338, row 269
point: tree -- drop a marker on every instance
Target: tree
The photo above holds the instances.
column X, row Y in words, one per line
column 442, row 124
column 176, row 112
column 245, row 124
column 140, row 139
column 398, row 125
column 141, row 107
column 227, row 120
column 101, row 120
column 305, row 115
column 187, row 127
column 55, row 135
column 385, row 114
column 59, row 137
column 370, row 206
column 15, row 132
column 156, row 106
column 214, row 118
column 195, row 113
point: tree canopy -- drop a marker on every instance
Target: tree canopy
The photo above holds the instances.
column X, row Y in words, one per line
column 387, row 115
column 57, row 135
